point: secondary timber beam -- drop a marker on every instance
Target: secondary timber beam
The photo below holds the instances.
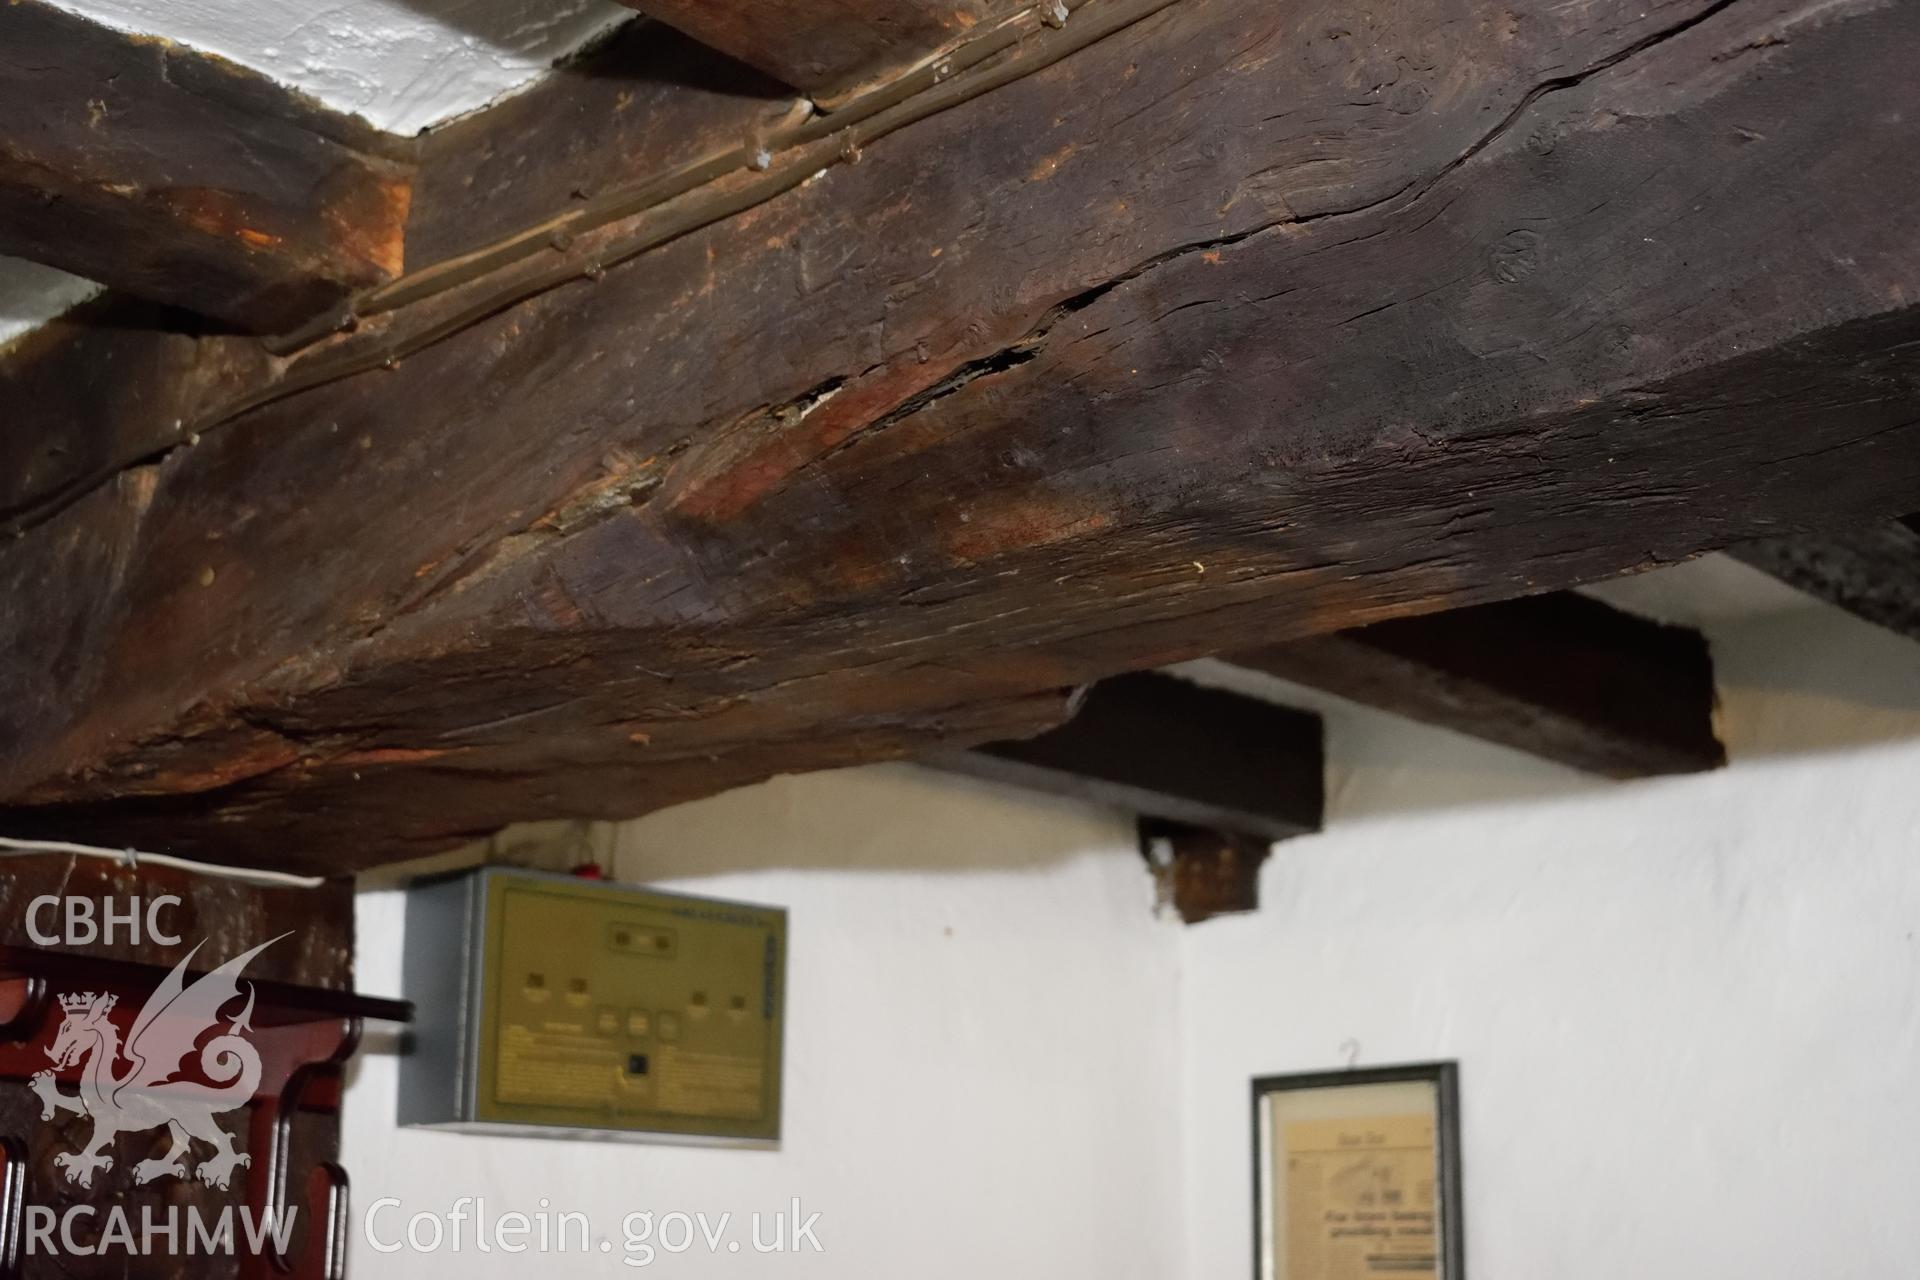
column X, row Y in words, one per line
column 1872, row 572
column 1558, row 676
column 1239, row 320
column 830, row 47
column 1159, row 747
column 183, row 179
column 1203, row 872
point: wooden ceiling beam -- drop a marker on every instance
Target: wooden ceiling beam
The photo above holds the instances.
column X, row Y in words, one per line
column 648, row 104
column 1871, row 571
column 183, row 179
column 1157, row 746
column 1203, row 872
column 830, row 48
column 1183, row 322
column 1558, row 676
column 118, row 381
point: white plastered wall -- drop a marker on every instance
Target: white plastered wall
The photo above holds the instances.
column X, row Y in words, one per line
column 1687, row 1011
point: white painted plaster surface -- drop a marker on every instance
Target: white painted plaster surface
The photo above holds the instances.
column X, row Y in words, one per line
column 31, row 295
column 403, row 64
column 1687, row 1011
column 1710, row 591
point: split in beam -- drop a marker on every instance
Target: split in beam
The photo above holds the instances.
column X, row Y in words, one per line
column 1558, row 676
column 1160, row 747
column 1238, row 321
column 183, row 179
column 1873, row 571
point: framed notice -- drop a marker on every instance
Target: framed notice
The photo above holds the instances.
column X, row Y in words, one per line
column 1357, row 1175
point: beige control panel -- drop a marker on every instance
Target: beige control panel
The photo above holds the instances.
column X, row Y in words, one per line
column 602, row 1007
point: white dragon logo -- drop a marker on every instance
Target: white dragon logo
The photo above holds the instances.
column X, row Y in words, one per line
column 147, row 1094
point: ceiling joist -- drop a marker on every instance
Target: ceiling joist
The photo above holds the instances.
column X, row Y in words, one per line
column 1156, row 746
column 1558, row 676
column 183, row 179
column 1872, row 571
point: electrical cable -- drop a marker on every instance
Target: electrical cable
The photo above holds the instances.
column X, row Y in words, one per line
column 134, row 858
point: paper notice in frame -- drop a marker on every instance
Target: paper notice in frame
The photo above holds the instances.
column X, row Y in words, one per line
column 1361, row 1199
column 1358, row 1176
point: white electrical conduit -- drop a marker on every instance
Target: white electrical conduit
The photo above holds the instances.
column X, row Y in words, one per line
column 134, row 858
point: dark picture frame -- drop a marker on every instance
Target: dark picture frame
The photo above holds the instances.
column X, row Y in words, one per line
column 1444, row 1078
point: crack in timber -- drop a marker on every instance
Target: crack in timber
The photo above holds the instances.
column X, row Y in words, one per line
column 1029, row 345
column 624, row 224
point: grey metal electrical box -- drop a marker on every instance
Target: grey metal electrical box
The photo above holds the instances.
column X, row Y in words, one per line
column 557, row 1006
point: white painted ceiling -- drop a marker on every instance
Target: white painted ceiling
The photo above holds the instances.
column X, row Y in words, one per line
column 31, row 295
column 1704, row 593
column 403, row 64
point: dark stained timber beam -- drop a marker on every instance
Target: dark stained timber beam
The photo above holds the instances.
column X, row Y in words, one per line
column 1203, row 872
column 1160, row 747
column 1186, row 321
column 830, row 47
column 117, row 381
column 1872, row 572
column 183, row 179
column 109, row 384
column 648, row 103
column 1559, row 676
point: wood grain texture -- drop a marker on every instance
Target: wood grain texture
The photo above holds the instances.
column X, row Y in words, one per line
column 183, row 179
column 97, row 391
column 1873, row 571
column 1558, row 676
column 117, row 381
column 1245, row 323
column 1156, row 746
column 827, row 47
column 650, row 101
